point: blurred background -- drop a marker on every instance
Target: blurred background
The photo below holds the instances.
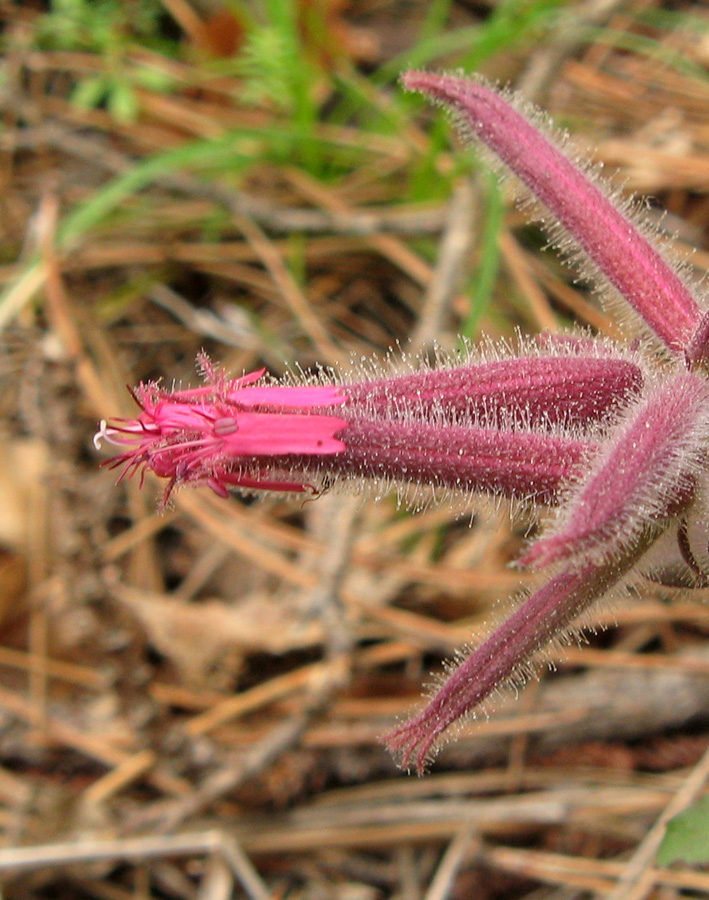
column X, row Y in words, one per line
column 191, row 700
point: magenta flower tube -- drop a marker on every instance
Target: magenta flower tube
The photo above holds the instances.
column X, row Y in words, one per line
column 420, row 429
column 609, row 238
column 520, row 465
column 547, row 613
column 526, row 391
column 646, row 473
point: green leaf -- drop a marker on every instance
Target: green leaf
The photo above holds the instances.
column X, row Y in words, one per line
column 489, row 265
column 90, row 92
column 687, row 836
column 153, row 79
column 122, row 102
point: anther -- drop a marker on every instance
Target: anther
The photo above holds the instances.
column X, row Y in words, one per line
column 225, row 426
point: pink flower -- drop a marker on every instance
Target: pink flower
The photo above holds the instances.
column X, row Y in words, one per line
column 208, row 435
column 517, row 427
column 608, row 442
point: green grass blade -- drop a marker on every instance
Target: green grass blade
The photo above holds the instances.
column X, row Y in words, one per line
column 486, row 273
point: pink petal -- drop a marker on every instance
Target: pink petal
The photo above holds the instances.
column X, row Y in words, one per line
column 306, row 397
column 239, row 391
column 274, row 434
